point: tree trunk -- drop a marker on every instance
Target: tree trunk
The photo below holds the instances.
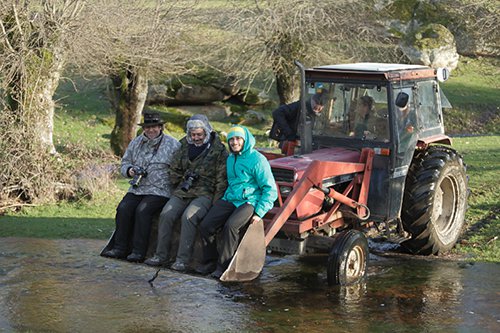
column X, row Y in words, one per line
column 47, row 104
column 284, row 87
column 129, row 92
column 30, row 96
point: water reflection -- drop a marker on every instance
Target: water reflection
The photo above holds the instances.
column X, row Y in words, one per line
column 63, row 286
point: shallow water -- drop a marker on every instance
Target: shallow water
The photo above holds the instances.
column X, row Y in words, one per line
column 64, row 286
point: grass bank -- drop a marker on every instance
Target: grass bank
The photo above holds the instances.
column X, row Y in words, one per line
column 473, row 92
column 482, row 156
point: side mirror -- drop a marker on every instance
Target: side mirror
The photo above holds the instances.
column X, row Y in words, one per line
column 402, row 100
column 442, row 74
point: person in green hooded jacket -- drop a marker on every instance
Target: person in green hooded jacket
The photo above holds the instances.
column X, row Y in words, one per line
column 250, row 194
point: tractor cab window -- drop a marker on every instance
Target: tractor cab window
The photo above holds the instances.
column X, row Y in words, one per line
column 407, row 126
column 429, row 110
column 356, row 111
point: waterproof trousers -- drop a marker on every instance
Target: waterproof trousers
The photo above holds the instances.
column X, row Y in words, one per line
column 134, row 217
column 190, row 211
column 232, row 219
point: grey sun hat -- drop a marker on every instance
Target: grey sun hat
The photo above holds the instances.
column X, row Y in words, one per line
column 198, row 121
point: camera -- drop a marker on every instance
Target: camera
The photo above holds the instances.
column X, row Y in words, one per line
column 139, row 173
column 189, row 178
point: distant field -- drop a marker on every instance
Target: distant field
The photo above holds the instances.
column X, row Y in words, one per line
column 473, row 90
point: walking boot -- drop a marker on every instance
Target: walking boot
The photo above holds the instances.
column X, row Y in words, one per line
column 156, row 261
column 218, row 272
column 179, row 266
column 135, row 257
column 114, row 253
column 206, row 268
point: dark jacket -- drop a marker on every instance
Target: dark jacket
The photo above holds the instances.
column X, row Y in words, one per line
column 209, row 166
column 286, row 119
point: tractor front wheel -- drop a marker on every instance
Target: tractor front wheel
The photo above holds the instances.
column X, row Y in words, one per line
column 435, row 200
column 348, row 258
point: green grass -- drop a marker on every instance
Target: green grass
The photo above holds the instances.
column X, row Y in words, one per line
column 482, row 156
column 474, row 82
column 473, row 92
column 84, row 116
column 82, row 219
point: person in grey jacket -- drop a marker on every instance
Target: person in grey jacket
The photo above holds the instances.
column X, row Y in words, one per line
column 198, row 178
column 147, row 161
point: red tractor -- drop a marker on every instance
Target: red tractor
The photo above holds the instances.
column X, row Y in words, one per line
column 390, row 167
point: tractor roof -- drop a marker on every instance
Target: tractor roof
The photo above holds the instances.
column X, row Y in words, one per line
column 377, row 71
column 371, row 67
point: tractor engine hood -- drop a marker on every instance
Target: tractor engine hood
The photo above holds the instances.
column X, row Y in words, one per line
column 298, row 164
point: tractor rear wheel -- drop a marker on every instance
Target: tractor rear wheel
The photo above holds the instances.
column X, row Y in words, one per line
column 435, row 200
column 348, row 258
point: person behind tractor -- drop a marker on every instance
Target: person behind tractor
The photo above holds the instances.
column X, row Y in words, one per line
column 250, row 194
column 146, row 161
column 365, row 109
column 286, row 118
column 198, row 176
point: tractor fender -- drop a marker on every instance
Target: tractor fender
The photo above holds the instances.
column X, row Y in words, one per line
column 423, row 143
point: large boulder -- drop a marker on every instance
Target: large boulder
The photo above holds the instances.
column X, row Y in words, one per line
column 199, row 95
column 472, row 43
column 160, row 94
column 214, row 112
column 431, row 45
column 203, row 88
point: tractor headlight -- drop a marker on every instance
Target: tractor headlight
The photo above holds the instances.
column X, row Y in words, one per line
column 285, row 190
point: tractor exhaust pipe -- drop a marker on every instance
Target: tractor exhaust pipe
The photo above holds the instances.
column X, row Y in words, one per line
column 306, row 126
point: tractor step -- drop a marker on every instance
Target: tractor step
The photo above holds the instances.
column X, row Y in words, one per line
column 397, row 239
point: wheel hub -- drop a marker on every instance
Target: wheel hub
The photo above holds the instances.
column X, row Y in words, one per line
column 355, row 262
column 445, row 204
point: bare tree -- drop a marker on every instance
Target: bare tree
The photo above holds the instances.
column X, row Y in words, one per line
column 33, row 52
column 270, row 35
column 131, row 41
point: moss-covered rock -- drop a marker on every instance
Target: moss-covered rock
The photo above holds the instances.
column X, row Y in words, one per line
column 203, row 87
column 431, row 36
column 403, row 16
column 431, row 45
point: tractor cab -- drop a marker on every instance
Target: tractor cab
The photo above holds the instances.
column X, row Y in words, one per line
column 390, row 108
column 375, row 155
column 373, row 104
